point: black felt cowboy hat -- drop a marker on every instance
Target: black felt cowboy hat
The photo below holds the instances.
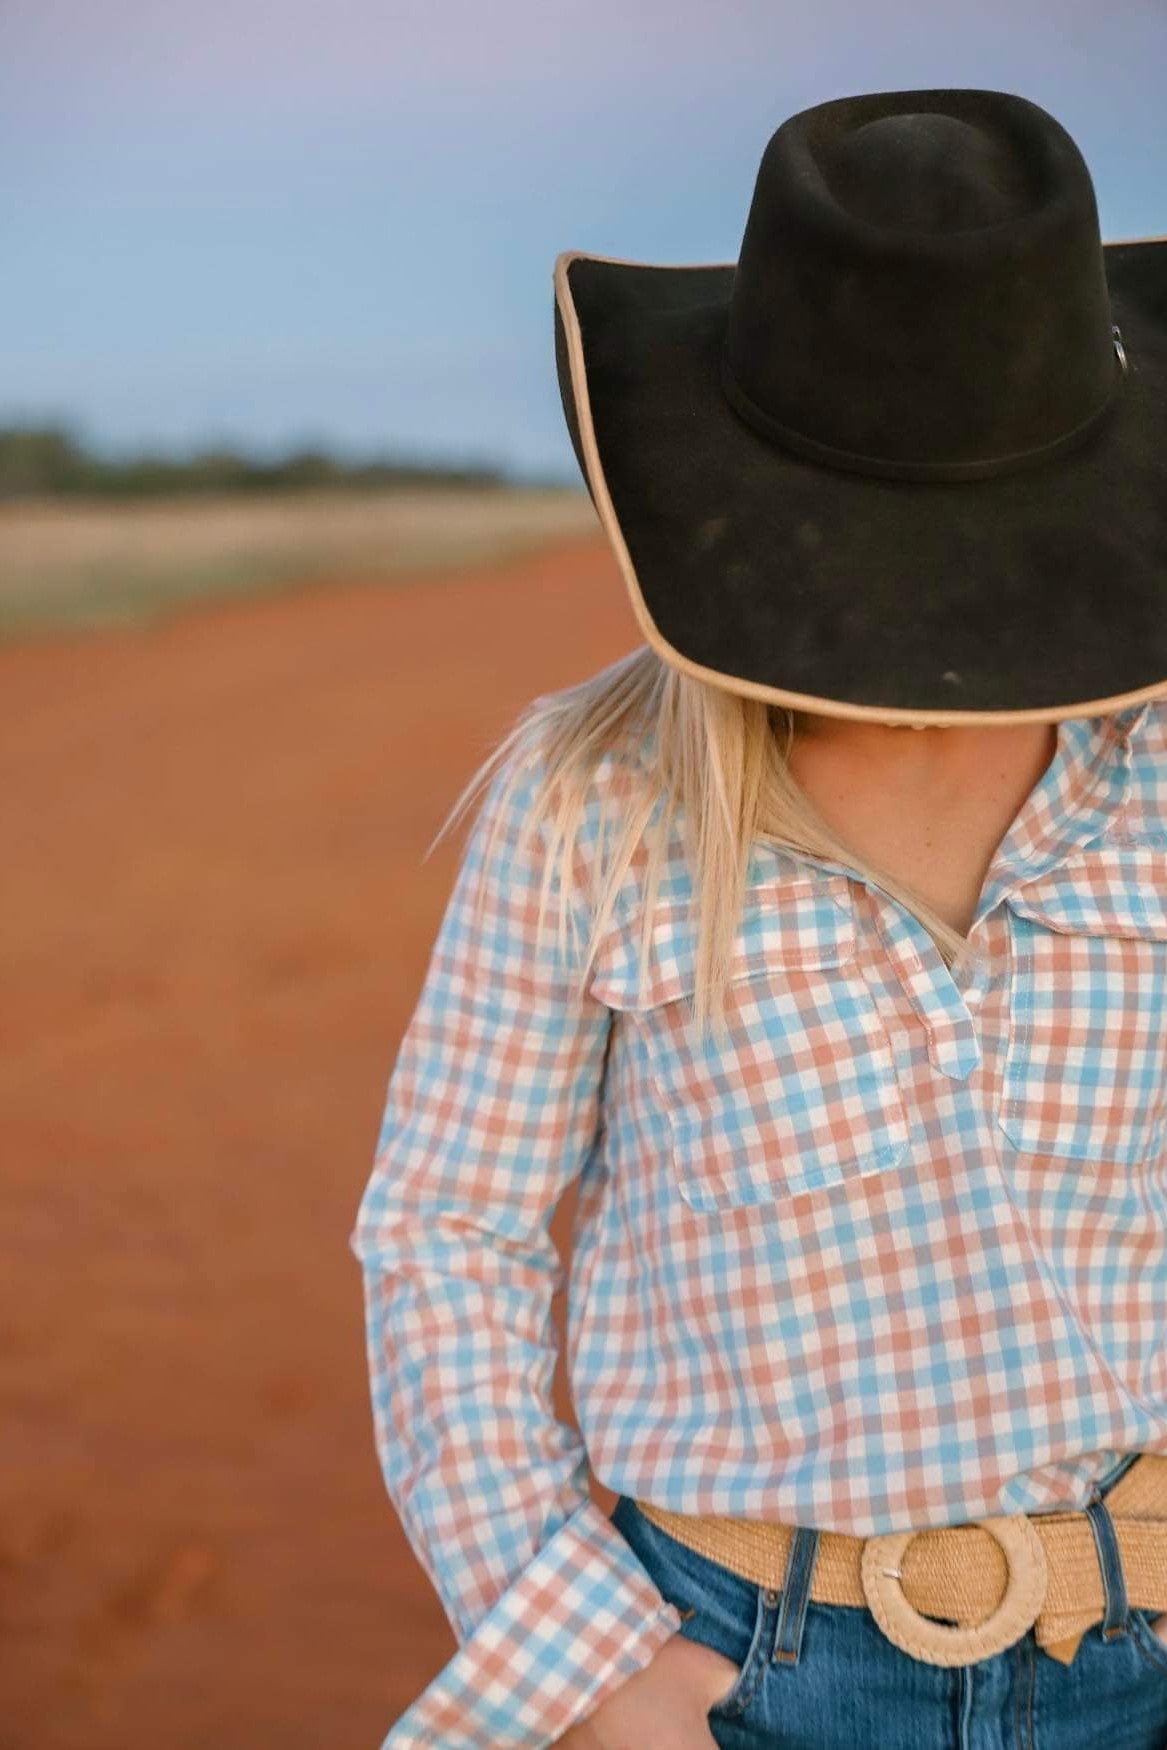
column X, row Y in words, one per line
column 905, row 459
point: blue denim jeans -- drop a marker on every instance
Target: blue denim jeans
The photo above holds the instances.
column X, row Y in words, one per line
column 817, row 1676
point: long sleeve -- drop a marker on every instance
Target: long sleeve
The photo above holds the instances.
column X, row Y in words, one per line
column 493, row 1108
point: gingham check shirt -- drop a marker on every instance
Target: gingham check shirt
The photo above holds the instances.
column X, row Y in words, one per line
column 893, row 1255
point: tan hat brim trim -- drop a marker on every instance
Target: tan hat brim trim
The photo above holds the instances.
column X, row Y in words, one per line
column 714, row 677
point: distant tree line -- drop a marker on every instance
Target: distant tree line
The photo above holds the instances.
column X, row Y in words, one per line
column 48, row 460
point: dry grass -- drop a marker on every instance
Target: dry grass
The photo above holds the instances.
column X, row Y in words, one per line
column 92, row 563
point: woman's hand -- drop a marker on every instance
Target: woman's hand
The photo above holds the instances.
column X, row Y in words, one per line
column 1159, row 1625
column 664, row 1705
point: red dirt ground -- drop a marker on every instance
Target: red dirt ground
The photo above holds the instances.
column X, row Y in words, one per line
column 215, row 924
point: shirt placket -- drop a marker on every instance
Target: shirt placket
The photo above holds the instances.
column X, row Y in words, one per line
column 942, row 1004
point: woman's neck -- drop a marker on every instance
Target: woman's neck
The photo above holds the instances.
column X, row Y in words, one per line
column 942, row 762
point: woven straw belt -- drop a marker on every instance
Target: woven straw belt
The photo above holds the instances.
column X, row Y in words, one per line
column 992, row 1578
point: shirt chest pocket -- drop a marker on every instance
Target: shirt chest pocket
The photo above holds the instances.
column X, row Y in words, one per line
column 1085, row 1071
column 800, row 1091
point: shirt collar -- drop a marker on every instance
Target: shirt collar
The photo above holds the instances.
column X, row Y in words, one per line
column 1085, row 785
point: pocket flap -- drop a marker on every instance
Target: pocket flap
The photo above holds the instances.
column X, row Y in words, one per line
column 1106, row 890
column 802, row 920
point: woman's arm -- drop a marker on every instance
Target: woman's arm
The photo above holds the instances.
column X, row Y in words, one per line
column 493, row 1108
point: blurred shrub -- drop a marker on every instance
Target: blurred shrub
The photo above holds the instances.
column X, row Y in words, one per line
column 45, row 461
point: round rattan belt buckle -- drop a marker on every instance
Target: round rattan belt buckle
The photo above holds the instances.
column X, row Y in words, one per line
column 935, row 1642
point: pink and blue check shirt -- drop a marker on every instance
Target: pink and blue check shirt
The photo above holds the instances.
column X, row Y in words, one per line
column 890, row 1254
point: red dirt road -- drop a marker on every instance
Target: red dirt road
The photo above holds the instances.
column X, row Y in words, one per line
column 215, row 924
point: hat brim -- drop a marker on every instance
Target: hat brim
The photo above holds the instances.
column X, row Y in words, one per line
column 1028, row 596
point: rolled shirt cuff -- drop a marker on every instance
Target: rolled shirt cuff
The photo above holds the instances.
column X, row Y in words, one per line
column 580, row 1619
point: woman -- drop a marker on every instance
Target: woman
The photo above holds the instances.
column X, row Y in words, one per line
column 848, row 1040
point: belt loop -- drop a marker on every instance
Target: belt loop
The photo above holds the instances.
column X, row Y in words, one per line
column 1114, row 1620
column 796, row 1584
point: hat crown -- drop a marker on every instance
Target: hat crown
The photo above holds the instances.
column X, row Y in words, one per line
column 921, row 289
column 924, row 171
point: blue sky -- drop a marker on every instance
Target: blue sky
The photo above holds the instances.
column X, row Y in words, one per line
column 282, row 223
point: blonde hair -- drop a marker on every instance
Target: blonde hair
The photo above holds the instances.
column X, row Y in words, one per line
column 718, row 757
